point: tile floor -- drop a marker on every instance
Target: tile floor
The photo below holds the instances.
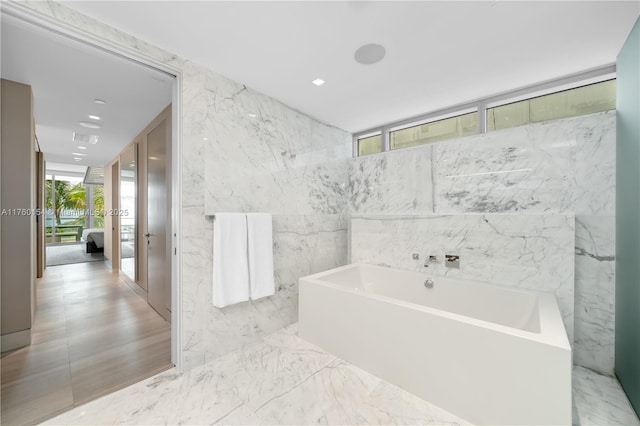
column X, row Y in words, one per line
column 285, row 380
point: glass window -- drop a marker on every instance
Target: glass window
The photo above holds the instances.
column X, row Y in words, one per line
column 449, row 128
column 568, row 103
column 370, row 145
column 65, row 216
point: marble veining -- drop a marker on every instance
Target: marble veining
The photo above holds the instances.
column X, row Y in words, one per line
column 526, row 251
column 394, row 182
column 599, row 400
column 558, row 167
column 282, row 379
column 595, row 293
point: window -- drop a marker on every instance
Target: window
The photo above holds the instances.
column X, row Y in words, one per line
column 449, row 128
column 65, row 217
column 587, row 92
column 568, row 103
column 369, row 145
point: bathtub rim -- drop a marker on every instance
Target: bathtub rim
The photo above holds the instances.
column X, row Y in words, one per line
column 552, row 330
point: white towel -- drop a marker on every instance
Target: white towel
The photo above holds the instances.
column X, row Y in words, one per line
column 260, row 255
column 230, row 267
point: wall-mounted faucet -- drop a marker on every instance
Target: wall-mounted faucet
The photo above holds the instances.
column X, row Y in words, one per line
column 452, row 261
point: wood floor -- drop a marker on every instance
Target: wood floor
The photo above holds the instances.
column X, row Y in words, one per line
column 92, row 335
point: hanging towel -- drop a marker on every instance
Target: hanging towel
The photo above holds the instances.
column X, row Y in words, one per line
column 230, row 267
column 260, row 250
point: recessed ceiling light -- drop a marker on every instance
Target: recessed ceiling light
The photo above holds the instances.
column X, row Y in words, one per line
column 205, row 139
column 94, row 117
column 82, row 147
column 252, row 115
column 89, row 125
column 369, row 54
column 77, row 158
column 99, row 101
column 318, row 82
column 80, row 154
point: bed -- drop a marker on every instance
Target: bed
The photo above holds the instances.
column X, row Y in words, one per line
column 94, row 237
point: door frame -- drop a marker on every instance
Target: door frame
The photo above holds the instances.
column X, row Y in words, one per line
column 30, row 16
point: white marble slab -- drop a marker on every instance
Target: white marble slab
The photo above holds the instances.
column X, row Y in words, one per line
column 594, row 192
column 260, row 155
column 393, row 182
column 595, row 293
column 525, row 251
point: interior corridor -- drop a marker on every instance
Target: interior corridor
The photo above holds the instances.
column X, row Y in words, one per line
column 92, row 335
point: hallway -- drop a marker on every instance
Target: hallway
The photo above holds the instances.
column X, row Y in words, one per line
column 92, row 335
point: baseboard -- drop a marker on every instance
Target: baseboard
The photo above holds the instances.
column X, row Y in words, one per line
column 11, row 341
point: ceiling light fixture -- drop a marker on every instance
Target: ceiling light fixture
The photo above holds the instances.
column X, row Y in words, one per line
column 94, row 117
column 85, row 138
column 80, row 154
column 99, row 101
column 252, row 115
column 89, row 125
column 82, row 147
column 318, row 82
column 77, row 158
column 369, row 54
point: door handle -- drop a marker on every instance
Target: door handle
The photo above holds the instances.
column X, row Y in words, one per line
column 148, row 234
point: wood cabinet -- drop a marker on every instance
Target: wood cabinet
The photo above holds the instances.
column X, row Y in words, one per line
column 18, row 220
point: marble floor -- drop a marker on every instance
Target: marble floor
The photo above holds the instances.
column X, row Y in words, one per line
column 285, row 380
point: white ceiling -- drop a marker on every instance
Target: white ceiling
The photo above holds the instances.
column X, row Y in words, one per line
column 439, row 53
column 66, row 77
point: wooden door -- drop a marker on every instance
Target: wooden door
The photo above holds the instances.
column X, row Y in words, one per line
column 157, row 236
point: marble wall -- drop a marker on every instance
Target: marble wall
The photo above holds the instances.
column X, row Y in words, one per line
column 553, row 168
column 253, row 154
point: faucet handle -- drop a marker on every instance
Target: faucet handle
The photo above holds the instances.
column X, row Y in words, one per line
column 430, row 259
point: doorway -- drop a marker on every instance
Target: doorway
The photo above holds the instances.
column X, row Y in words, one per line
column 71, row 208
column 71, row 283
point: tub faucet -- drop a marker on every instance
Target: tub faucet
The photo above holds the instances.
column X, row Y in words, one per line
column 452, row 261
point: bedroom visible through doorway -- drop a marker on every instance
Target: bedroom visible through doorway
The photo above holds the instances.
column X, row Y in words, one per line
column 73, row 210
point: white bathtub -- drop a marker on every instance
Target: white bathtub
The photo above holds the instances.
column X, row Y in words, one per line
column 488, row 354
